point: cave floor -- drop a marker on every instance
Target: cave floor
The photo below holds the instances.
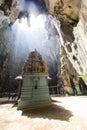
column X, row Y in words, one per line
column 65, row 113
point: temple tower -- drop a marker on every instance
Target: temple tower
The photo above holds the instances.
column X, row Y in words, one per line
column 34, row 92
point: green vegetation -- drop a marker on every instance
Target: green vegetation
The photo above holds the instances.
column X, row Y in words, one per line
column 78, row 90
column 71, row 91
column 84, row 77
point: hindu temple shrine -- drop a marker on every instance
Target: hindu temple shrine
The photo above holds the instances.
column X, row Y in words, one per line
column 34, row 91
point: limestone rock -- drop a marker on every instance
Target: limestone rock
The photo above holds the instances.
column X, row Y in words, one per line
column 67, row 71
column 73, row 26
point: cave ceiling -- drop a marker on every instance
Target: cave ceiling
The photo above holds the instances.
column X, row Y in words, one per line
column 66, row 11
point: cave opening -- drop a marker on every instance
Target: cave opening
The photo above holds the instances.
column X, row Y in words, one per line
column 28, row 32
column 36, row 35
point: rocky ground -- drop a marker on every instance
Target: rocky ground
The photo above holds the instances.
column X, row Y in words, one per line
column 66, row 113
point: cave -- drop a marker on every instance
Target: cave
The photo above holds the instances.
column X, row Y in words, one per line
column 57, row 29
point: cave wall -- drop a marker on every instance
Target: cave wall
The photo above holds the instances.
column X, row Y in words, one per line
column 72, row 17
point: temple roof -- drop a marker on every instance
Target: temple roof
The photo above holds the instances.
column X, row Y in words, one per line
column 35, row 64
column 35, row 55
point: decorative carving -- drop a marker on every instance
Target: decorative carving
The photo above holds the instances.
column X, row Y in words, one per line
column 35, row 64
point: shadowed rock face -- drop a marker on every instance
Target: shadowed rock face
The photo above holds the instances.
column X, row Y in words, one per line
column 64, row 10
column 10, row 9
column 16, row 8
column 67, row 12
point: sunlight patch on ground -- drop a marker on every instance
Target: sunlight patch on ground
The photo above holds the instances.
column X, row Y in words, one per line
column 12, row 119
column 78, row 105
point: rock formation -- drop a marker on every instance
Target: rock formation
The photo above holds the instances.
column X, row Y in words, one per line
column 69, row 19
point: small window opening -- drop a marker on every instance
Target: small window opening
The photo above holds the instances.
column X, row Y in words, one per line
column 36, row 84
